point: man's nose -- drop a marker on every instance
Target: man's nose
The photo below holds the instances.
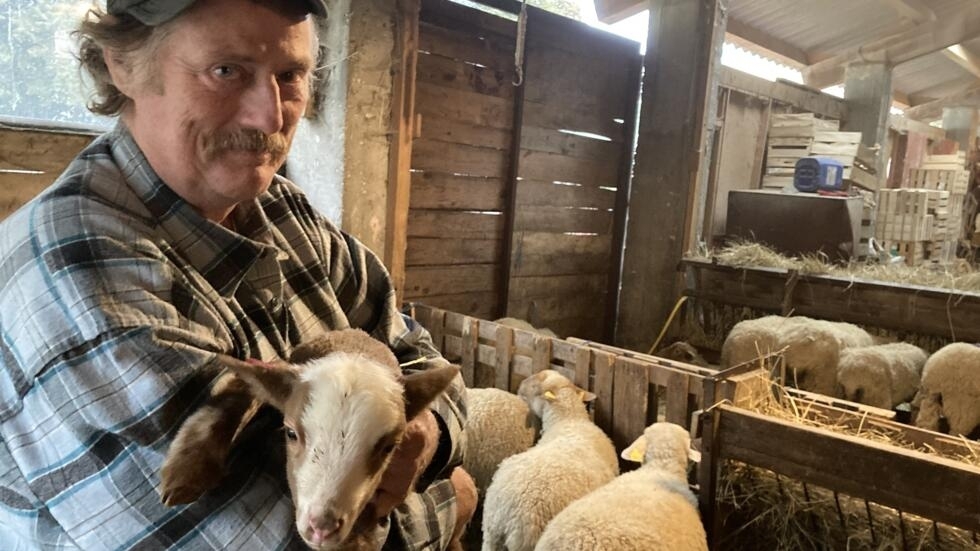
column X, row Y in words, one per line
column 262, row 107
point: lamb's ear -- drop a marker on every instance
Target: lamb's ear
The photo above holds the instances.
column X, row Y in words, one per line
column 422, row 387
column 586, row 396
column 636, row 450
column 272, row 383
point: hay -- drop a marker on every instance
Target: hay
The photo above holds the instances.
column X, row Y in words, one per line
column 958, row 276
column 767, row 511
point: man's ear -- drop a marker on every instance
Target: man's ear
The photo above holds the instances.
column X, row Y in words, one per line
column 422, row 387
column 122, row 73
column 272, row 383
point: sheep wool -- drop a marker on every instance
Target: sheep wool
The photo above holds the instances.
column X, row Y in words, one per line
column 499, row 424
column 523, row 325
column 882, row 376
column 649, row 509
column 753, row 338
column 572, row 458
column 812, row 352
column 950, row 388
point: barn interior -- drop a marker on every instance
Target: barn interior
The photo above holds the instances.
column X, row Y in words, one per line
column 506, row 161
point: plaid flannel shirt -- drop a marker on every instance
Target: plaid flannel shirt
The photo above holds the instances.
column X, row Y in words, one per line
column 115, row 296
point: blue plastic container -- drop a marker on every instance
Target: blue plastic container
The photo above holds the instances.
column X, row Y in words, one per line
column 814, row 174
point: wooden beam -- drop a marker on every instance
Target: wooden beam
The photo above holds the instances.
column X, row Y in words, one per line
column 753, row 39
column 403, row 130
column 679, row 98
column 916, row 10
column 799, row 97
column 964, row 58
column 921, row 40
column 904, row 125
column 934, row 109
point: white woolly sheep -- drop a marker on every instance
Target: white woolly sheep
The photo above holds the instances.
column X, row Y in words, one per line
column 499, row 424
column 750, row 339
column 649, row 509
column 345, row 406
column 882, row 376
column 812, row 352
column 521, row 324
column 682, row 352
column 951, row 389
column 572, row 458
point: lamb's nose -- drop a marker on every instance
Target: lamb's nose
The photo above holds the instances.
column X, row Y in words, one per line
column 325, row 526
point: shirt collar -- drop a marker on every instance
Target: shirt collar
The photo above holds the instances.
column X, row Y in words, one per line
column 221, row 256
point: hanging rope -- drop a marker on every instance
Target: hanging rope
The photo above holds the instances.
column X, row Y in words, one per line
column 519, row 47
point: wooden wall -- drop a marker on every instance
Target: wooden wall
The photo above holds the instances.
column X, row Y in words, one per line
column 511, row 213
column 30, row 160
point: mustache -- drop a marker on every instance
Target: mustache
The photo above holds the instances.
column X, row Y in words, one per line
column 246, row 139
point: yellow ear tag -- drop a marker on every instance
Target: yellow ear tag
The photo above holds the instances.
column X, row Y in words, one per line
column 635, row 455
column 549, row 395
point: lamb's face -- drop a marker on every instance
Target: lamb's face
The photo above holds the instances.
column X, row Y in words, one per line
column 342, row 424
column 864, row 383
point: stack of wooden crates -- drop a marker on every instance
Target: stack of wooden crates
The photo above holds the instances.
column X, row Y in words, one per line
column 923, row 221
column 793, row 136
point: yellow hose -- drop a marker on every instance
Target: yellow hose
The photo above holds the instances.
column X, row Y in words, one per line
column 670, row 319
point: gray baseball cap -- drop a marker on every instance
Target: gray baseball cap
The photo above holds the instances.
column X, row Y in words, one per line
column 155, row 12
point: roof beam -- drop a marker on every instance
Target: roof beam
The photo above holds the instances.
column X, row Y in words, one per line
column 904, row 125
column 934, row 109
column 964, row 58
column 784, row 92
column 916, row 10
column 921, row 40
column 753, row 39
column 612, row 11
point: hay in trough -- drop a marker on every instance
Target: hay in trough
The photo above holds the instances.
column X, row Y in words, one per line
column 765, row 511
column 959, row 276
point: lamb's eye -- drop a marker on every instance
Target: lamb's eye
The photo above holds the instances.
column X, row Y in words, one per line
column 291, row 434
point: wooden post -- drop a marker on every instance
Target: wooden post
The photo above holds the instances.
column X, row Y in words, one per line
column 960, row 124
column 666, row 207
column 403, row 129
column 868, row 94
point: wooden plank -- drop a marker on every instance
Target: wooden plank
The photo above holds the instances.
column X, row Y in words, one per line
column 505, row 352
column 550, row 140
column 630, row 390
column 798, row 97
column 403, row 130
column 541, row 359
column 480, row 305
column 602, row 364
column 583, row 363
column 426, row 251
column 462, row 75
column 554, row 287
column 550, row 167
column 487, row 49
column 452, row 15
column 677, row 399
column 558, row 77
column 447, row 130
column 434, row 101
column 436, row 327
column 449, row 158
column 459, row 224
column 40, row 150
column 432, row 190
column 563, row 220
column 558, row 116
column 559, row 254
column 546, row 193
column 912, row 482
column 448, row 280
column 17, row 189
column 742, row 146
column 470, row 343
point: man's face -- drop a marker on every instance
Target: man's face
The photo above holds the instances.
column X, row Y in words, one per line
column 229, row 86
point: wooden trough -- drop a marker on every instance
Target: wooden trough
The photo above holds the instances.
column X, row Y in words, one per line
column 636, row 389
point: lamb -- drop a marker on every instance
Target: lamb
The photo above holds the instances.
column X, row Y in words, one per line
column 523, row 325
column 499, row 424
column 572, row 458
column 345, row 406
column 882, row 376
column 812, row 352
column 649, row 509
column 750, row 339
column 950, row 388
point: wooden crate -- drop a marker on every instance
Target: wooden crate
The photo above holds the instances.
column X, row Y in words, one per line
column 797, row 125
column 908, row 215
column 953, row 181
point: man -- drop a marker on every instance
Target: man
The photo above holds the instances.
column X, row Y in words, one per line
column 168, row 240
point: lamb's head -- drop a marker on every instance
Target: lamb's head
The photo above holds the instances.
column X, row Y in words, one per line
column 662, row 446
column 344, row 413
column 548, row 389
column 811, row 358
column 864, row 378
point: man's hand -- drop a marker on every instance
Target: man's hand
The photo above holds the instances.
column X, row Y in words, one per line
column 409, row 462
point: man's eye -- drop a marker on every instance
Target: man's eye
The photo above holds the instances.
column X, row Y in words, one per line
column 224, row 71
